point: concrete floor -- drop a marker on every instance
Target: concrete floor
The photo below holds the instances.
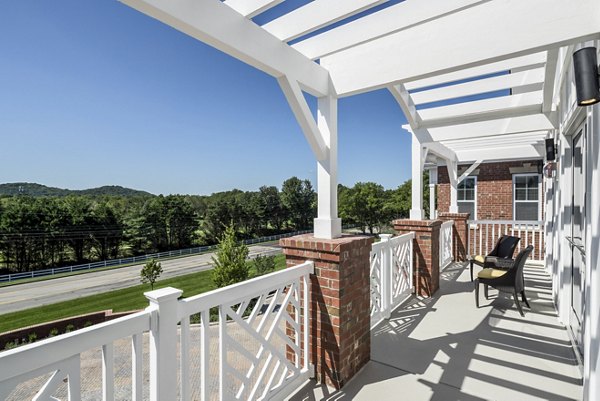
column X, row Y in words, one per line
column 443, row 348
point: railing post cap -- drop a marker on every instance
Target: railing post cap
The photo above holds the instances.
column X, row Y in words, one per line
column 163, row 294
column 385, row 237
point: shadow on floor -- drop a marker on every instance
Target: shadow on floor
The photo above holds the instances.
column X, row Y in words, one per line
column 444, row 348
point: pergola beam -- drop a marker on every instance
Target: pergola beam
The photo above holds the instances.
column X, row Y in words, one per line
column 492, row 31
column 220, row 26
column 530, row 61
column 492, row 128
column 392, row 19
column 315, row 15
column 482, row 110
column 497, row 154
column 251, row 8
column 525, row 81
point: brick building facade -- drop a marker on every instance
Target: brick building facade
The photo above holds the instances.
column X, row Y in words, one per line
column 498, row 194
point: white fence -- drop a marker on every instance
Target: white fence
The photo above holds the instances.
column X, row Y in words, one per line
column 446, row 244
column 135, row 259
column 391, row 274
column 260, row 343
column 483, row 235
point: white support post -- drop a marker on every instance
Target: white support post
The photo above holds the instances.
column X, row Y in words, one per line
column 433, row 179
column 163, row 343
column 453, row 175
column 327, row 224
column 416, row 211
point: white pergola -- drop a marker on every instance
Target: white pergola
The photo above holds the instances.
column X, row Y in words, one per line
column 424, row 52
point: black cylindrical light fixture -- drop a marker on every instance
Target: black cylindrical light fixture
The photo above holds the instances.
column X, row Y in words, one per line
column 585, row 64
column 550, row 150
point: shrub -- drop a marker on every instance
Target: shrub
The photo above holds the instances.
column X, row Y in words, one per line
column 151, row 272
column 11, row 345
column 87, row 324
column 53, row 332
column 230, row 261
column 32, row 337
column 69, row 328
column 264, row 264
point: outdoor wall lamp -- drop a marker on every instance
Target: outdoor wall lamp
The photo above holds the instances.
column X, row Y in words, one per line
column 587, row 81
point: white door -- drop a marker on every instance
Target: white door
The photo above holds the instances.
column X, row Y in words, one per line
column 577, row 238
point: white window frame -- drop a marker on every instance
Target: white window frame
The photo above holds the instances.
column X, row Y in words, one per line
column 474, row 201
column 514, row 195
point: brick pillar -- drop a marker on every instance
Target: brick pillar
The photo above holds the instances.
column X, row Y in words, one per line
column 460, row 234
column 426, row 253
column 340, row 332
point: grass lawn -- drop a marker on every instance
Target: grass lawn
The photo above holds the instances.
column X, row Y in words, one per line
column 126, row 299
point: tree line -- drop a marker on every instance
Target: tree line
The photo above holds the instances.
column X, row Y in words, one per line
column 48, row 231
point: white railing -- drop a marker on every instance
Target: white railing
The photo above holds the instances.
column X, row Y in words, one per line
column 60, row 358
column 391, row 274
column 446, row 244
column 483, row 235
column 260, row 341
column 262, row 337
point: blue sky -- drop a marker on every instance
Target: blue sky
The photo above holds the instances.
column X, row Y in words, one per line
column 94, row 93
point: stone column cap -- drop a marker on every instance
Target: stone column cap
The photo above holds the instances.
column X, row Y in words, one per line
column 454, row 216
column 309, row 241
column 417, row 223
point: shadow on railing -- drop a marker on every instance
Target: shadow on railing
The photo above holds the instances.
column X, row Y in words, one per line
column 391, row 274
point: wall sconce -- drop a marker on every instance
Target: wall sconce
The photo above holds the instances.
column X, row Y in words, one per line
column 550, row 149
column 587, row 82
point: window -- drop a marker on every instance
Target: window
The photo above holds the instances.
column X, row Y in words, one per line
column 526, row 196
column 467, row 197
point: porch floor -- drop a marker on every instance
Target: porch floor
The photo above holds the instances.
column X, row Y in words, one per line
column 443, row 348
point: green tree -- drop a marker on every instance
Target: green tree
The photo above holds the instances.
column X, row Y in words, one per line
column 230, row 265
column 364, row 205
column 151, row 272
column 264, row 264
column 299, row 200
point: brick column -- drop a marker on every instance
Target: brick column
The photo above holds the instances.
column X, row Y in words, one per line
column 426, row 253
column 460, row 234
column 340, row 333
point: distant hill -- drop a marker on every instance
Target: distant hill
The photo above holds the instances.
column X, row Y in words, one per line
column 32, row 189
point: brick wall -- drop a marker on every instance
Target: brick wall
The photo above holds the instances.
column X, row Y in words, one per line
column 494, row 190
column 340, row 335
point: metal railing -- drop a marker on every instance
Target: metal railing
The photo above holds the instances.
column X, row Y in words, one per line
column 261, row 347
column 483, row 235
column 134, row 259
column 446, row 243
column 391, row 274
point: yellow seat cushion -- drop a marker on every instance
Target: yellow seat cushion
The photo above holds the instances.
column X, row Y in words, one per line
column 491, row 273
column 479, row 258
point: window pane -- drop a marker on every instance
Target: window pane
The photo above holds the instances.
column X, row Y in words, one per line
column 526, row 211
column 521, row 181
column 532, row 181
column 532, row 193
column 469, row 194
column 467, row 207
column 520, row 194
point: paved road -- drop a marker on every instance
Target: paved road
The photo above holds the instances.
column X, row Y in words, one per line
column 24, row 296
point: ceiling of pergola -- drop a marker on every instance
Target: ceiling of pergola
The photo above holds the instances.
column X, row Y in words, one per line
column 477, row 77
